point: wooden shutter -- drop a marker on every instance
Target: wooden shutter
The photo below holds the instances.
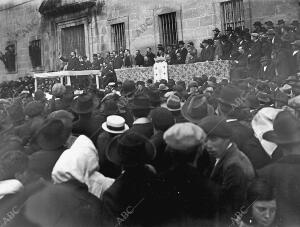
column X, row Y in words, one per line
column 73, row 38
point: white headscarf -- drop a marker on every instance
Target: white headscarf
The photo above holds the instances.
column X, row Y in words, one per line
column 10, row 186
column 263, row 122
column 81, row 162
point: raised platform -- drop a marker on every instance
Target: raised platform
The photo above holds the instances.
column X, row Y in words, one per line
column 186, row 72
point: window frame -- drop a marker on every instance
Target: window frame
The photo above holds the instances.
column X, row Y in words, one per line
column 41, row 58
column 122, row 43
column 13, row 42
column 235, row 13
column 163, row 29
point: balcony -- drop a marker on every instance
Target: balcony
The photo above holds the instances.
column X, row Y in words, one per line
column 59, row 7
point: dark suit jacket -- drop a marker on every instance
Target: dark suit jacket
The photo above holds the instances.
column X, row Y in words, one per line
column 269, row 74
column 226, row 50
column 284, row 176
column 131, row 189
column 89, row 126
column 183, row 53
column 255, row 51
column 73, row 63
column 247, row 143
column 207, row 54
column 139, row 60
column 296, row 63
column 186, row 194
column 283, row 64
column 232, row 173
column 42, row 162
column 151, row 57
column 162, row 159
column 118, row 63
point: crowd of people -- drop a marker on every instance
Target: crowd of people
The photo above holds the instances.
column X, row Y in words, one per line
column 269, row 49
column 167, row 153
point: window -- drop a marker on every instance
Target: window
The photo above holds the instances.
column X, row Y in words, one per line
column 233, row 14
column 168, row 29
column 9, row 57
column 73, row 38
column 35, row 53
column 118, row 36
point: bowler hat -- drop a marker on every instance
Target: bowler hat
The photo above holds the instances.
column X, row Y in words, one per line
column 257, row 23
column 173, row 103
column 115, row 124
column 51, row 135
column 140, row 102
column 130, row 149
column 216, row 30
column 279, row 22
column 83, row 104
column 195, row 108
column 180, row 42
column 269, row 23
column 182, row 136
column 286, row 129
column 215, row 126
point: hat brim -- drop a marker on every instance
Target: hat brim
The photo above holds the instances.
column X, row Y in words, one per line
column 225, row 102
column 184, row 113
column 135, row 107
column 113, row 153
column 105, row 128
column 272, row 136
column 164, row 105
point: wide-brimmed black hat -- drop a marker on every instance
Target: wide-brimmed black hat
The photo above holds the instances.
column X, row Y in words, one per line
column 141, row 102
column 230, row 95
column 52, row 134
column 257, row 23
column 269, row 23
column 195, row 108
column 216, row 126
column 130, row 149
column 83, row 104
column 286, row 129
column 180, row 42
column 281, row 21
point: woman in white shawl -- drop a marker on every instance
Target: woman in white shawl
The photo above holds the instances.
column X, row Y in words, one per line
column 81, row 163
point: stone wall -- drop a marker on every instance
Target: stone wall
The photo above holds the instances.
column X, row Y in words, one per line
column 195, row 20
column 20, row 24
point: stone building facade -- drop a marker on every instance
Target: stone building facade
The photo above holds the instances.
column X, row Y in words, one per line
column 92, row 25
